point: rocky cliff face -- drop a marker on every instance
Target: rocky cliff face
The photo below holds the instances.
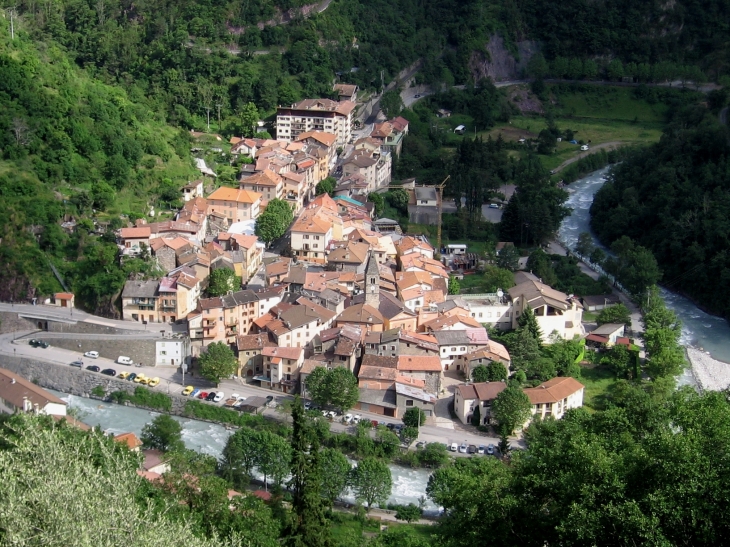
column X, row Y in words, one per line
column 499, row 63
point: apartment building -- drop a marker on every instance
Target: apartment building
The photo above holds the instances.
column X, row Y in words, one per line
column 323, row 115
column 266, row 182
column 235, row 204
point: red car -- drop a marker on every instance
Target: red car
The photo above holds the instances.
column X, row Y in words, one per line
column 203, row 395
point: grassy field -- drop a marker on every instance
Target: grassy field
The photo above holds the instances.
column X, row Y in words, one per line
column 597, row 380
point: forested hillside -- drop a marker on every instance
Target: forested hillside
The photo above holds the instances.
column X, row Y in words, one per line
column 674, row 198
column 69, row 146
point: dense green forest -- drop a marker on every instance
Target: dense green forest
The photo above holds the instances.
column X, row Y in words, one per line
column 673, row 198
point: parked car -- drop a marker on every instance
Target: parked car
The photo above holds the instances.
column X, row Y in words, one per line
column 356, row 419
column 417, row 96
column 140, row 379
column 77, row 364
column 390, row 426
column 153, row 382
column 307, row 405
column 38, row 343
column 472, row 449
column 194, row 393
column 218, row 397
column 374, row 423
column 584, row 147
column 109, row 372
column 269, row 398
column 203, row 395
column 493, row 206
column 93, row 368
column 454, row 447
column 123, row 375
column 122, row 360
column 490, row 450
column 482, row 449
column 231, row 401
column 421, row 444
column 239, row 403
column 463, row 448
column 92, row 354
column 382, row 424
column 347, row 419
column 210, row 396
column 188, row 390
column 131, row 377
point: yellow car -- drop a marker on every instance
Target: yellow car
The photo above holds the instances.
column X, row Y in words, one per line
column 153, row 382
column 140, row 379
column 123, row 375
column 188, row 390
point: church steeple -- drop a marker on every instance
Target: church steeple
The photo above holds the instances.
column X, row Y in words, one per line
column 372, row 282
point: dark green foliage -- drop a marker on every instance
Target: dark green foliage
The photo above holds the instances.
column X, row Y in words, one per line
column 528, row 321
column 617, row 313
column 196, row 409
column 371, row 481
column 326, row 186
column 492, row 372
column 217, row 362
column 476, row 417
column 391, row 104
column 163, row 433
column 511, row 409
column 536, row 209
column 274, row 221
column 143, row 397
column 336, row 387
column 672, row 200
column 335, row 471
column 310, row 527
column 223, row 281
column 414, row 417
column 408, row 513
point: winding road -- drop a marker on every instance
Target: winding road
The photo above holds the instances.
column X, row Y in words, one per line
column 604, row 145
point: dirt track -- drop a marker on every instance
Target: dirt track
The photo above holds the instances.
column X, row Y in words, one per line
column 605, row 145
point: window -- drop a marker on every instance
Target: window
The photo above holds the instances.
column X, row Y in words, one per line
column 392, row 348
column 372, row 281
column 305, row 237
column 316, row 237
column 462, row 348
column 163, row 353
column 409, row 402
column 480, row 314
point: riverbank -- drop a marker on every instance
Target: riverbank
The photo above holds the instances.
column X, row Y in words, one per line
column 711, row 374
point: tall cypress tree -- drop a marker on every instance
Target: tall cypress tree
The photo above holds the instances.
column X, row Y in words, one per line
column 310, row 526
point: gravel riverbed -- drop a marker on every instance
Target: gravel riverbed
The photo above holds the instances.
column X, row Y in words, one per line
column 711, row 374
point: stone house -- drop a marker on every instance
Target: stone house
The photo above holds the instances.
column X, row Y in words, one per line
column 250, row 349
column 468, row 396
column 139, row 301
column 281, row 368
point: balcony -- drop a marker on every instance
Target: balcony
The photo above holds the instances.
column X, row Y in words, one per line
column 291, row 197
column 232, row 331
column 231, row 322
column 210, row 324
column 169, row 306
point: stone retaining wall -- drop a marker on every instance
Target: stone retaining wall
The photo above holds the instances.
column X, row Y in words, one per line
column 10, row 322
column 73, row 380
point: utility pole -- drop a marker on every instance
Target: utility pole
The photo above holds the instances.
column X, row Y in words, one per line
column 219, row 116
column 207, row 109
column 12, row 26
column 440, row 206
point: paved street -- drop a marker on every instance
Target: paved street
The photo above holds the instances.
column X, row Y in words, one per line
column 171, row 382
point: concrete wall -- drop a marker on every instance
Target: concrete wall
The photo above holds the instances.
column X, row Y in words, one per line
column 10, row 322
column 140, row 350
column 73, row 380
column 92, row 328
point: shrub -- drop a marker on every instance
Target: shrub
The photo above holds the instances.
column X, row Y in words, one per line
column 98, row 391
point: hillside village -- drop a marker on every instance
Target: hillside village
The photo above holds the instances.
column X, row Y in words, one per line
column 353, row 290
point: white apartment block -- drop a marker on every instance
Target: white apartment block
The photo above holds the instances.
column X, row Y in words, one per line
column 315, row 115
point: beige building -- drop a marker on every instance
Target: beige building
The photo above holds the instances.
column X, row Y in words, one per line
column 267, row 183
column 315, row 115
column 555, row 397
column 470, row 396
column 139, row 301
column 281, row 368
column 234, row 204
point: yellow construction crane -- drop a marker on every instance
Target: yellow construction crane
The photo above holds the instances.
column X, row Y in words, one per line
column 440, row 204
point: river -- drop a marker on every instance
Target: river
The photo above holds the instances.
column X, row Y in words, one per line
column 699, row 329
column 408, row 484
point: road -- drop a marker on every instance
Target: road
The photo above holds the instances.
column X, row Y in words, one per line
column 556, row 248
column 604, row 145
column 171, row 382
column 75, row 315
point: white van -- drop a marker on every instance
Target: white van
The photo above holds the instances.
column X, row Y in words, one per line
column 122, row 360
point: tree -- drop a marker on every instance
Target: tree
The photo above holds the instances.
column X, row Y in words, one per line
column 238, row 458
column 508, row 258
column 454, row 287
column 337, row 387
column 53, row 474
column 326, row 186
column 309, row 527
column 343, row 388
column 584, row 247
column 335, row 469
column 620, row 360
column 408, row 513
column 371, row 481
column 617, row 313
column 274, row 457
column 414, row 417
column 274, row 221
column 511, row 409
column 597, row 256
column 492, row 372
column 409, row 434
column 476, row 417
column 217, row 362
column 496, row 278
column 528, row 321
column 386, row 442
column 523, row 348
column 546, row 142
column 379, row 202
column 249, row 115
column 164, row 433
column 398, row 199
column 391, row 104
column 537, row 67
column 223, row 281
